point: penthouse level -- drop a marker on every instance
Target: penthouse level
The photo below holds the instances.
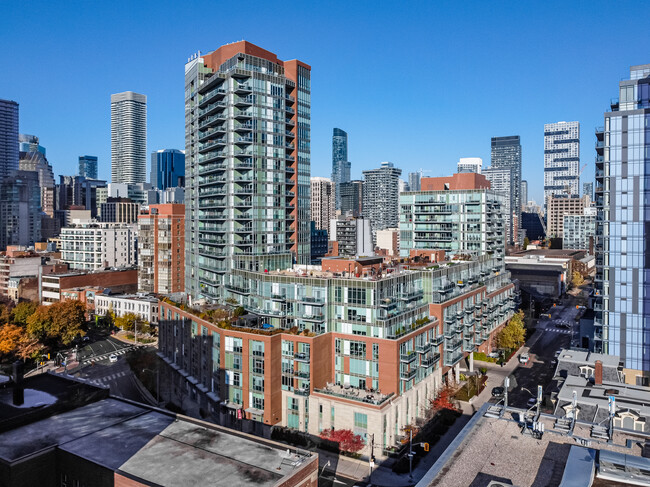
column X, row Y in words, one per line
column 320, row 347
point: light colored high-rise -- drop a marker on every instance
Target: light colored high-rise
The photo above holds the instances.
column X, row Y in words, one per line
column 470, row 164
column 559, row 205
column 128, row 138
column 506, row 152
column 323, row 202
column 501, row 182
column 524, row 194
column 381, row 196
column 414, row 181
column 32, row 158
column 622, row 324
column 561, row 159
column 579, row 229
column 247, row 163
column 90, row 245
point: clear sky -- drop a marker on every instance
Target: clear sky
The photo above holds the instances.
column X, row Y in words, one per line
column 416, row 83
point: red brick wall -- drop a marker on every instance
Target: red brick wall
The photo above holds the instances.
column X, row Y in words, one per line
column 456, row 182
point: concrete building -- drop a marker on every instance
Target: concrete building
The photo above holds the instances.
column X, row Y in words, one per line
column 15, row 263
column 524, row 194
column 79, row 434
column 79, row 192
column 623, row 228
column 141, row 304
column 388, row 240
column 88, row 167
column 32, row 158
column 93, row 245
column 459, row 214
column 352, row 344
column 351, row 198
column 20, row 209
column 247, row 112
column 52, row 284
column 168, row 169
column 161, row 249
column 559, row 205
column 588, row 190
column 501, row 182
column 414, row 181
column 470, row 164
column 381, row 196
column 128, row 138
column 340, row 164
column 580, row 230
column 323, row 202
column 561, row 159
column 119, row 210
column 353, row 236
column 8, row 137
column 506, row 152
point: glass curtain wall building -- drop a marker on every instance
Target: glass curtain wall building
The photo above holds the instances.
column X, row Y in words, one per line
column 561, row 159
column 8, row 137
column 623, row 228
column 506, row 153
column 88, row 167
column 340, row 163
column 168, row 169
column 247, row 161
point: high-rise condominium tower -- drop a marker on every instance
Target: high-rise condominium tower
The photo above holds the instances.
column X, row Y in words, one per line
column 88, row 167
column 340, row 163
column 470, row 164
column 501, row 182
column 414, row 181
column 351, row 198
column 381, row 196
column 561, row 159
column 247, row 153
column 524, row 194
column 322, row 202
column 8, row 137
column 588, row 190
column 622, row 324
column 32, row 158
column 128, row 138
column 506, row 152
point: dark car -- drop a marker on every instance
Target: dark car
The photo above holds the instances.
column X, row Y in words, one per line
column 497, row 391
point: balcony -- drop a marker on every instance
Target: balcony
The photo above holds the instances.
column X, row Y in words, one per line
column 243, row 127
column 436, row 341
column 214, row 95
column 423, row 348
column 407, row 375
column 429, row 361
column 407, row 358
column 301, row 357
column 241, row 88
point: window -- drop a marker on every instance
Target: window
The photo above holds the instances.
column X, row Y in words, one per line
column 361, row 424
column 357, row 349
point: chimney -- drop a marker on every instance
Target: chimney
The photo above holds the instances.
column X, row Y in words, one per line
column 598, row 373
column 19, row 388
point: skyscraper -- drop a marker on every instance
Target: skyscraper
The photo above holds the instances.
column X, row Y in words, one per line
column 470, row 164
column 8, row 137
column 247, row 132
column 588, row 190
column 351, row 198
column 88, row 167
column 323, row 200
column 32, row 158
column 524, row 194
column 340, row 163
column 168, row 169
column 622, row 323
column 506, row 152
column 414, row 181
column 128, row 138
column 561, row 159
column 381, row 196
column 20, row 209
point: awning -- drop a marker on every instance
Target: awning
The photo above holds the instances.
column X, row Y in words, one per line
column 231, row 405
column 255, row 411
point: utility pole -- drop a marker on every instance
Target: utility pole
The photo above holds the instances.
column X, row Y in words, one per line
column 371, row 460
column 411, row 453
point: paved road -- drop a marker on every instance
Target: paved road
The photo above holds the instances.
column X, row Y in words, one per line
column 101, row 347
column 117, row 376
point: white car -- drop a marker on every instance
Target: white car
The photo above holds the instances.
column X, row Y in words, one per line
column 524, row 358
column 112, row 358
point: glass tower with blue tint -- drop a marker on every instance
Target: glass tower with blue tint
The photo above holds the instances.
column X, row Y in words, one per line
column 340, row 163
column 506, row 153
column 168, row 169
column 88, row 167
column 622, row 306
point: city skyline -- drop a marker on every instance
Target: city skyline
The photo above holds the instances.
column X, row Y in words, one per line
column 371, row 132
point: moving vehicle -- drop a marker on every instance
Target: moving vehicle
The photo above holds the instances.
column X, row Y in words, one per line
column 524, row 358
column 498, row 391
column 112, row 358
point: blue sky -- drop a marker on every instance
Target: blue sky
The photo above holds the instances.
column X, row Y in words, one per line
column 416, row 83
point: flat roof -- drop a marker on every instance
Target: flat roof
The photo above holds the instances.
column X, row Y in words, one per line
column 586, row 357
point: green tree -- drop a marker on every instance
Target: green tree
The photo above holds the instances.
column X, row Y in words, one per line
column 577, row 279
column 57, row 324
column 512, row 335
column 526, row 242
column 127, row 321
column 22, row 311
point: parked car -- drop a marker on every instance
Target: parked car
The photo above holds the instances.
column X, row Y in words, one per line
column 112, row 358
column 524, row 358
column 494, row 355
column 498, row 391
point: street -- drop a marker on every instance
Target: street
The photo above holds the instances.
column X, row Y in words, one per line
column 104, row 346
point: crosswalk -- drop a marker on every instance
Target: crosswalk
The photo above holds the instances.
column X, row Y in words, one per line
column 109, row 378
column 560, row 330
column 104, row 356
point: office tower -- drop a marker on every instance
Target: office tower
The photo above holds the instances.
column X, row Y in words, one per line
column 622, row 324
column 77, row 191
column 323, row 201
column 403, row 186
column 352, row 236
column 128, row 138
column 501, row 182
column 88, row 167
column 168, row 169
column 8, row 137
column 588, row 190
column 90, row 245
column 506, row 152
column 119, row 210
column 319, row 241
column 20, row 209
column 340, row 163
column 247, row 153
column 561, row 159
column 470, row 164
column 351, row 198
column 579, row 230
column 414, row 181
column 559, row 205
column 161, row 249
column 532, row 223
column 459, row 214
column 32, row 158
column 524, row 194
column 381, row 196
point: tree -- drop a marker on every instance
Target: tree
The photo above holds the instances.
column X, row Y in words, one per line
column 346, row 439
column 526, row 242
column 10, row 336
column 127, row 321
column 57, row 324
column 22, row 311
column 443, row 399
column 577, row 279
column 512, row 335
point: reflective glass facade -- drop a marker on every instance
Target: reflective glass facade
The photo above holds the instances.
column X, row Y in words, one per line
column 506, row 152
column 340, row 163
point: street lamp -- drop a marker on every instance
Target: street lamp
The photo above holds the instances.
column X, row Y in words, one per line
column 157, row 371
